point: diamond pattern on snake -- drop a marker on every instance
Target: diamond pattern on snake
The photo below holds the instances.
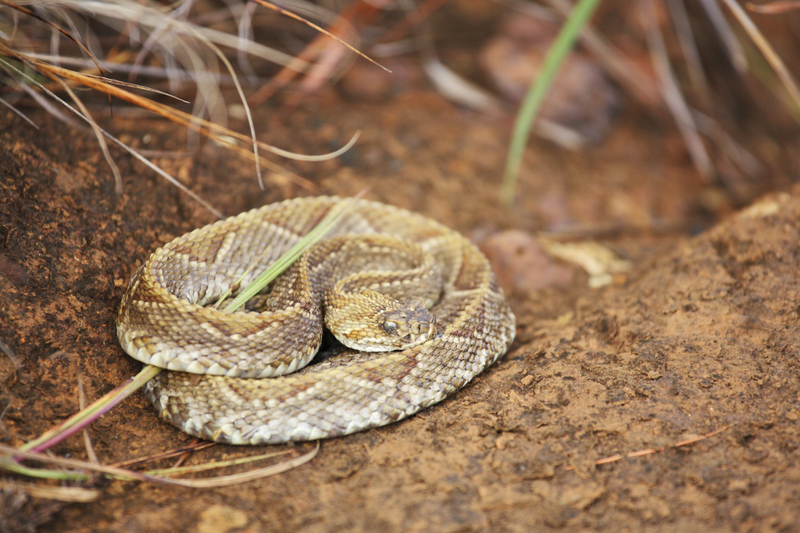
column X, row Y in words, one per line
column 415, row 306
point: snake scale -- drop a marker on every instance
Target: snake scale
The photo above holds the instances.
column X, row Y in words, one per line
column 415, row 305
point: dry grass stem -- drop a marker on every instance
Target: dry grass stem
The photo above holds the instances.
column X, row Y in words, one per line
column 650, row 451
column 769, row 53
column 303, row 60
column 168, row 31
column 13, row 454
column 774, row 8
column 6, row 349
column 119, row 143
column 87, row 441
column 672, row 93
column 194, row 447
column 737, row 153
column 731, row 44
column 19, row 113
column 688, row 44
column 49, row 492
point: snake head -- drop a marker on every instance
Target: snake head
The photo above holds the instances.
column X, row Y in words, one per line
column 373, row 322
column 408, row 324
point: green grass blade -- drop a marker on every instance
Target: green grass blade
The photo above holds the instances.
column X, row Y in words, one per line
column 526, row 116
column 312, row 237
column 91, row 413
column 166, row 472
column 12, row 466
column 86, row 416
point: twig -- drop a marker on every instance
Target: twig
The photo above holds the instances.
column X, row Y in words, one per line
column 56, row 27
column 180, row 470
column 98, row 133
column 185, row 455
column 650, row 451
column 774, row 8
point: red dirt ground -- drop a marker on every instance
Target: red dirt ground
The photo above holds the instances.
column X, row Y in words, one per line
column 701, row 334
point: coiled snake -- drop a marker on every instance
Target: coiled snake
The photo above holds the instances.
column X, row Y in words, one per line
column 388, row 280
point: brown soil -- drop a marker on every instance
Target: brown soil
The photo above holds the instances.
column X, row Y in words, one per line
column 700, row 336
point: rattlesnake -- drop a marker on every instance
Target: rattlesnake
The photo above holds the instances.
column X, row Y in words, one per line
column 446, row 314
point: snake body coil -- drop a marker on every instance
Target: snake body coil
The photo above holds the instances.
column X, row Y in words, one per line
column 386, row 280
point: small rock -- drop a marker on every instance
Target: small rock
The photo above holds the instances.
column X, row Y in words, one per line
column 221, row 519
column 521, row 264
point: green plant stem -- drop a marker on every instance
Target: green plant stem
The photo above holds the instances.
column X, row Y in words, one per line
column 526, row 116
column 91, row 413
column 86, row 416
column 292, row 254
column 12, row 466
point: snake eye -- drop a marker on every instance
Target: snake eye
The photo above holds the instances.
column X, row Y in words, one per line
column 389, row 327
